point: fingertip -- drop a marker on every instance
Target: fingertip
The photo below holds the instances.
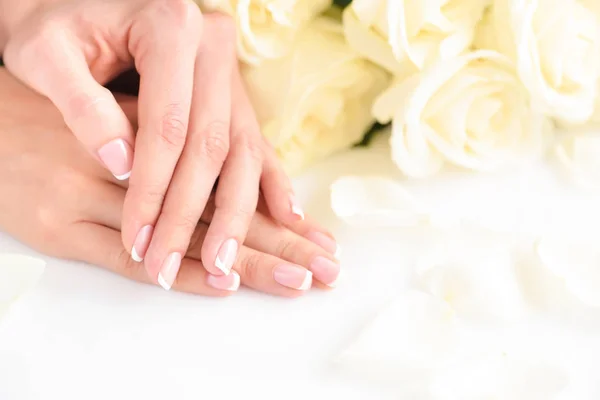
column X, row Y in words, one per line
column 117, row 157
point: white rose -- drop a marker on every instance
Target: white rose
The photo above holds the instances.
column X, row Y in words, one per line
column 579, row 153
column 556, row 47
column 317, row 100
column 471, row 111
column 266, row 28
column 409, row 34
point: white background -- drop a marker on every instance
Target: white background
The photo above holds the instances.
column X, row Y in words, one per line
column 87, row 334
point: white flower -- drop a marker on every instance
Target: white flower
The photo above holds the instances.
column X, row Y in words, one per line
column 580, row 154
column 475, row 271
column 575, row 259
column 316, row 100
column 471, row 111
column 408, row 34
column 18, row 274
column 266, row 28
column 556, row 47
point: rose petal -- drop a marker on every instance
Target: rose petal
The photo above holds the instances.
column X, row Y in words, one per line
column 18, row 274
column 474, row 270
column 374, row 201
column 415, row 332
column 579, row 154
column 574, row 257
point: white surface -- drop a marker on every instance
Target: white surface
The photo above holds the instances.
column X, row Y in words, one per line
column 87, row 334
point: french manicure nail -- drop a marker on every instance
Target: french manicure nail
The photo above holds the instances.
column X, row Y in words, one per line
column 141, row 243
column 325, row 270
column 169, row 270
column 293, row 276
column 229, row 282
column 325, row 242
column 117, row 156
column 296, row 208
column 226, row 256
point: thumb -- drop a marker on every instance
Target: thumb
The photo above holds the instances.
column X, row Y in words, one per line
column 59, row 70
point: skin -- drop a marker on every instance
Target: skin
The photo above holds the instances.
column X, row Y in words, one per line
column 195, row 121
column 59, row 200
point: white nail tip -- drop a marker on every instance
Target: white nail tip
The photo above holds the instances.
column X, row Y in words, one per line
column 307, row 281
column 298, row 211
column 123, row 177
column 236, row 282
column 162, row 282
column 135, row 256
column 338, row 253
column 221, row 265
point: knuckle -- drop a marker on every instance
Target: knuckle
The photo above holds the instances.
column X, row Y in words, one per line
column 146, row 197
column 185, row 221
column 250, row 267
column 40, row 45
column 285, row 249
column 235, row 210
column 173, row 128
column 184, row 13
column 254, row 151
column 214, row 143
column 83, row 104
column 48, row 220
column 182, row 220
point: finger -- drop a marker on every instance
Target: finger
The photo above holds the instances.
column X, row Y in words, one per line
column 277, row 190
column 163, row 40
column 102, row 246
column 264, row 272
column 307, row 228
column 238, row 189
column 316, row 233
column 105, row 207
column 206, row 147
column 268, row 236
column 56, row 67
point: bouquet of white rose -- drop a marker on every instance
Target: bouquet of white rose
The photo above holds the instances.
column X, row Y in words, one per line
column 475, row 83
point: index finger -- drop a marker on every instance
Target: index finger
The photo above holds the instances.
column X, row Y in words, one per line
column 164, row 41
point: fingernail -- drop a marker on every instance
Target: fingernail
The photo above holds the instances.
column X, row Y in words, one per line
column 142, row 241
column 169, row 270
column 117, row 157
column 229, row 282
column 293, row 276
column 325, row 270
column 296, row 209
column 325, row 242
column 227, row 255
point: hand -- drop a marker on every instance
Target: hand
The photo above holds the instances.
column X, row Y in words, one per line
column 195, row 120
column 58, row 200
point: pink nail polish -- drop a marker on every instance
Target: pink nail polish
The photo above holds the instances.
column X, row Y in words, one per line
column 227, row 255
column 169, row 270
column 325, row 270
column 293, row 276
column 229, row 282
column 296, row 208
column 142, row 241
column 325, row 242
column 117, row 156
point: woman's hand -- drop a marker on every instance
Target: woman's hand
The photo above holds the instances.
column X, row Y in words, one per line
column 59, row 200
column 195, row 120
